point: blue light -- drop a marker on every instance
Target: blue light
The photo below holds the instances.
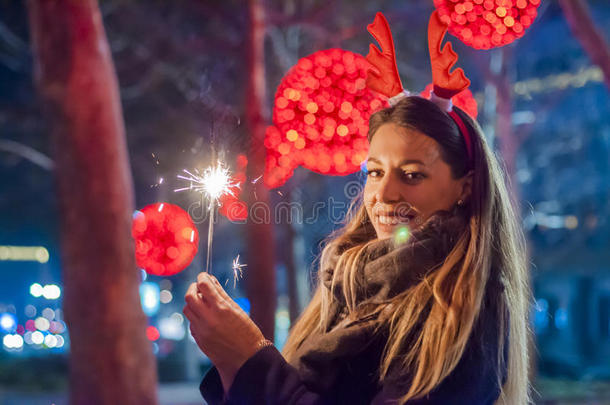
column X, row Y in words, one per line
column 561, row 318
column 8, row 322
column 541, row 315
column 149, row 297
column 244, row 304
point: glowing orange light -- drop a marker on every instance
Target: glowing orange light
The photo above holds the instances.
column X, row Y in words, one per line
column 312, row 108
column 501, row 12
column 309, row 119
column 292, row 135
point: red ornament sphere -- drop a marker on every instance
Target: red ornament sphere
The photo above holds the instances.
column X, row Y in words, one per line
column 320, row 116
column 486, row 24
column 166, row 239
column 464, row 100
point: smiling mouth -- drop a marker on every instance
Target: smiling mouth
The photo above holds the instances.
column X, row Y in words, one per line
column 393, row 219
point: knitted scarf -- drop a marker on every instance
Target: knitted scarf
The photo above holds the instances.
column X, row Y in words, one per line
column 385, row 270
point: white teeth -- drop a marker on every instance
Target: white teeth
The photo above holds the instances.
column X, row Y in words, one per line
column 386, row 220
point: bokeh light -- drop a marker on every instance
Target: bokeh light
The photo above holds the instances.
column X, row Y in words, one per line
column 165, row 297
column 37, row 337
column 166, row 238
column 12, row 341
column 172, row 328
column 152, row 333
column 30, row 311
column 486, row 24
column 36, row 290
column 320, row 117
column 42, row 323
column 402, row 235
column 8, row 322
column 149, row 298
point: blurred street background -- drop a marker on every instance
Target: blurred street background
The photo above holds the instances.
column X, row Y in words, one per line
column 543, row 103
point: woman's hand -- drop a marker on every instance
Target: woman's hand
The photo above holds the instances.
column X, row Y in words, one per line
column 222, row 330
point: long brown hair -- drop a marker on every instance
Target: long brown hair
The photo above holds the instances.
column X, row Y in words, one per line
column 449, row 298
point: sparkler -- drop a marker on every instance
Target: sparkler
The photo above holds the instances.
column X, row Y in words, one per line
column 213, row 182
column 237, row 270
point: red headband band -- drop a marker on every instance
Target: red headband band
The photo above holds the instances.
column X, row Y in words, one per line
column 464, row 131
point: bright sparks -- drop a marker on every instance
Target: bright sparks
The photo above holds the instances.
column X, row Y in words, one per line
column 237, row 270
column 214, row 182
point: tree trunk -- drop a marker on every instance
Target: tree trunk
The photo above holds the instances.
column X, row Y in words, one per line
column 579, row 19
column 111, row 361
column 261, row 264
column 290, row 261
column 508, row 141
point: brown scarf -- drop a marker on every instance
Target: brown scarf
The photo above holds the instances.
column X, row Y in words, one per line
column 386, row 269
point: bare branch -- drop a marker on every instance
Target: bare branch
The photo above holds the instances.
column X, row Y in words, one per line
column 28, row 153
column 579, row 19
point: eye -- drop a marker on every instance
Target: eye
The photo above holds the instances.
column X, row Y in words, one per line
column 413, row 177
column 375, row 173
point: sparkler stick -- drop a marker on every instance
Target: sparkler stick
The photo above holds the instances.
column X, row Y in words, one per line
column 213, row 183
column 210, row 236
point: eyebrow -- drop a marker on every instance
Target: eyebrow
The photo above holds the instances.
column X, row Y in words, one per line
column 402, row 163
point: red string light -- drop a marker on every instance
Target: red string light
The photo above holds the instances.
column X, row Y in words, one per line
column 320, row 116
column 166, row 239
column 486, row 24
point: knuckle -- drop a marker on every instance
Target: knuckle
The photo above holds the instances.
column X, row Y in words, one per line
column 224, row 307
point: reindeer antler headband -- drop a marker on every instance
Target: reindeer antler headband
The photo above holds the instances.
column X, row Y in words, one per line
column 384, row 77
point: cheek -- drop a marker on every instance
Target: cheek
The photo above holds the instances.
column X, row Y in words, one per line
column 368, row 195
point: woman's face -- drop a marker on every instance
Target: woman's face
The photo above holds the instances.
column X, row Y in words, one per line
column 407, row 181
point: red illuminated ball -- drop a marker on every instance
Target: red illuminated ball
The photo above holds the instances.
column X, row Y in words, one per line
column 464, row 100
column 152, row 333
column 486, row 24
column 320, row 116
column 166, row 239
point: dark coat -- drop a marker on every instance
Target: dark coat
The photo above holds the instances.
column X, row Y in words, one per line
column 267, row 378
column 340, row 366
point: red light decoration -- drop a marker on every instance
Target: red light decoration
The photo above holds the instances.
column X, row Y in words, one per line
column 464, row 100
column 230, row 205
column 152, row 333
column 166, row 239
column 320, row 116
column 486, row 24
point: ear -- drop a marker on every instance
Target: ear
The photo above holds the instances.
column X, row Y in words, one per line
column 466, row 186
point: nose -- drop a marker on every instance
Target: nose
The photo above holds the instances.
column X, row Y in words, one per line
column 388, row 189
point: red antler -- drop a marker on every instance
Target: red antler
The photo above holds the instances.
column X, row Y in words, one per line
column 446, row 84
column 384, row 77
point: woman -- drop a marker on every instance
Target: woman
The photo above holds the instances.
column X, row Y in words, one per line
column 440, row 318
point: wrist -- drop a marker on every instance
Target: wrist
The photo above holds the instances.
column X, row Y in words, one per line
column 262, row 343
column 228, row 371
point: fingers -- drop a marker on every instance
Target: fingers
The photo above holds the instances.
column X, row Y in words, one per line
column 208, row 290
column 186, row 310
column 193, row 302
column 223, row 293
